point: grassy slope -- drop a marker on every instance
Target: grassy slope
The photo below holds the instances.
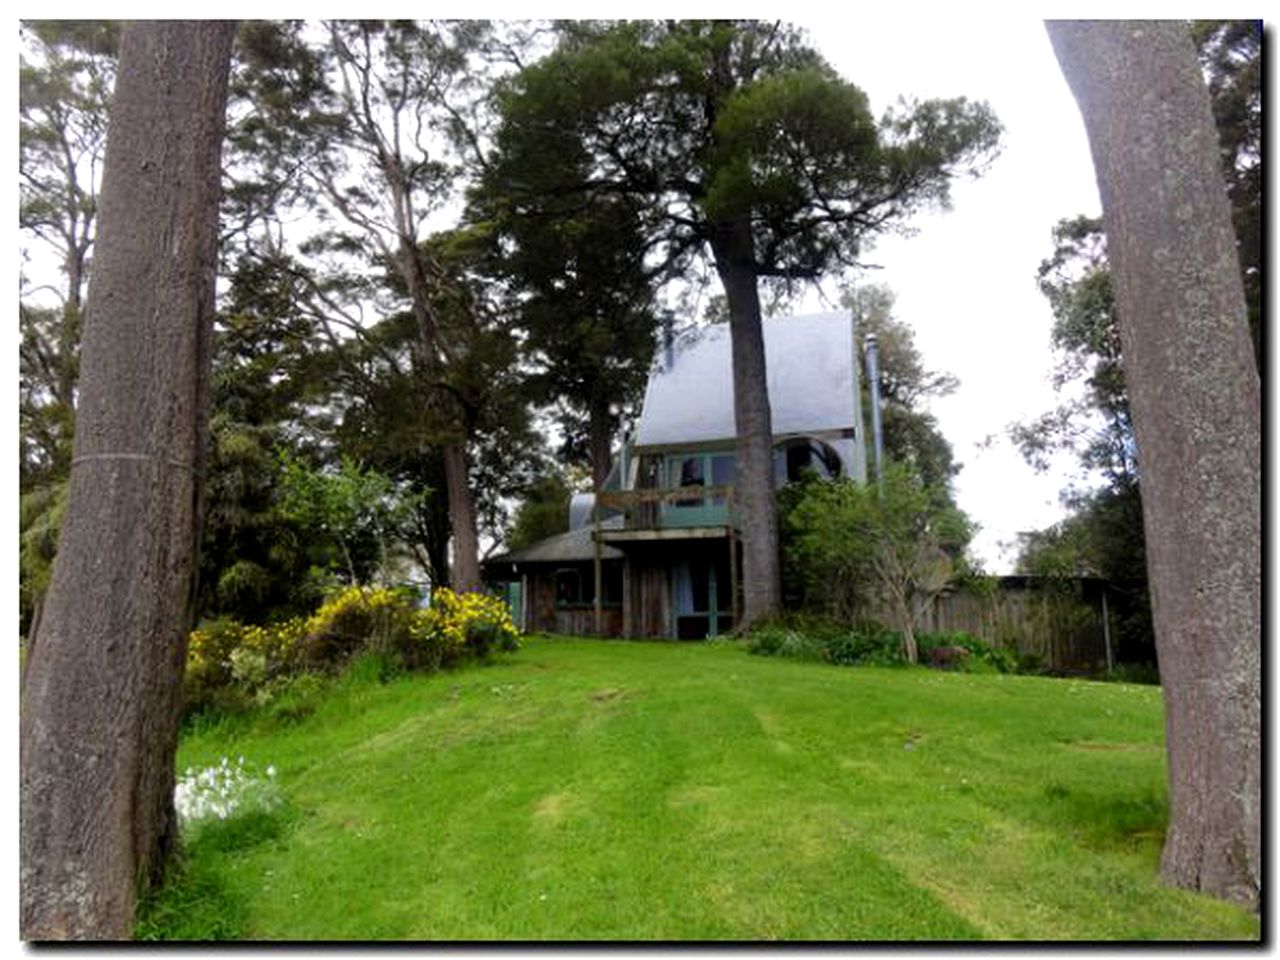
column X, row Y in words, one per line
column 585, row 789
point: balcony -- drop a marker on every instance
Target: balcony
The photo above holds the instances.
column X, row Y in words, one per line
column 685, row 513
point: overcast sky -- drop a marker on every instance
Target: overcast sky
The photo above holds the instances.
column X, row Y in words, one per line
column 966, row 281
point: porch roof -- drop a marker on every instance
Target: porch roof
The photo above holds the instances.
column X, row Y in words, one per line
column 571, row 547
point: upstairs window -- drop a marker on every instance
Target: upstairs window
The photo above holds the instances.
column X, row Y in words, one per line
column 792, row 458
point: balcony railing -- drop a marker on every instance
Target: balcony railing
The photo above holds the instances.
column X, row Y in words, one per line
column 661, row 509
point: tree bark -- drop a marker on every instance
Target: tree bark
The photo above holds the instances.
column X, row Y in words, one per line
column 756, row 510
column 101, row 697
column 1196, row 402
column 600, row 445
column 464, row 574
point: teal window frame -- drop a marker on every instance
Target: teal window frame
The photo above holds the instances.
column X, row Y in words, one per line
column 719, row 608
column 696, row 511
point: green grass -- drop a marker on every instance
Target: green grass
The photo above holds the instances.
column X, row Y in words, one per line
column 619, row 790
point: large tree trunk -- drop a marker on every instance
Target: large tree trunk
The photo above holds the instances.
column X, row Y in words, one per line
column 99, row 715
column 464, row 573
column 464, row 576
column 600, row 445
column 1196, row 405
column 754, row 503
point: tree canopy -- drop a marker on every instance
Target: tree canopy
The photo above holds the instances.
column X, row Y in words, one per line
column 733, row 142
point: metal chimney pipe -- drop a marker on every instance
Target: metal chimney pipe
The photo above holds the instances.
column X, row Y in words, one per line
column 877, row 433
column 623, row 460
column 858, row 456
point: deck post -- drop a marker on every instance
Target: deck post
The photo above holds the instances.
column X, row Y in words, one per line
column 599, row 568
column 628, row 614
column 736, row 592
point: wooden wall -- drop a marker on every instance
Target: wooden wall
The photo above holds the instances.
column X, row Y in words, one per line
column 544, row 616
column 1065, row 633
column 646, row 587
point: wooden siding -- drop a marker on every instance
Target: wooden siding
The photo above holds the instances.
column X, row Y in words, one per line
column 1065, row 633
column 650, row 609
column 578, row 620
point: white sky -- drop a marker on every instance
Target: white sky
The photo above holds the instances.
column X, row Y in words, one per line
column 966, row 281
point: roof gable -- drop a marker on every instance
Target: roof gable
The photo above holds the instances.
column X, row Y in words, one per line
column 810, row 375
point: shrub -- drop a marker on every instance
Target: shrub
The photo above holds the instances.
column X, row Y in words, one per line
column 293, row 698
column 867, row 643
column 459, row 625
column 983, row 657
column 231, row 667
column 767, row 639
column 808, row 638
column 353, row 618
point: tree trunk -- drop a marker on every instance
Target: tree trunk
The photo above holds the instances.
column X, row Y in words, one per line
column 100, row 704
column 756, row 510
column 465, row 572
column 1196, row 404
column 599, row 442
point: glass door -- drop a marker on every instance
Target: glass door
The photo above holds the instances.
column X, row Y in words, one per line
column 702, row 599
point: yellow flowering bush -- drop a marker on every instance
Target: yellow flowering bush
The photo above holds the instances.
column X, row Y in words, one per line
column 229, row 663
column 468, row 623
column 355, row 618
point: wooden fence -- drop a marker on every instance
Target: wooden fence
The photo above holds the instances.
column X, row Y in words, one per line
column 1065, row 627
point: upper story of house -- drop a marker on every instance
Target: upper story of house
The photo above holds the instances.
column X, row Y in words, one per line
column 685, row 436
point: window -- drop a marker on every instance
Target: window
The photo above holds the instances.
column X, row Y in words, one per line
column 698, row 470
column 570, row 590
column 576, row 586
column 793, row 457
column 687, row 472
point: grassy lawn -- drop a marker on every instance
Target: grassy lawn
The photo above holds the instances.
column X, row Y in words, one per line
column 619, row 790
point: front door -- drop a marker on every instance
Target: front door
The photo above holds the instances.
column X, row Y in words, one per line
column 702, row 598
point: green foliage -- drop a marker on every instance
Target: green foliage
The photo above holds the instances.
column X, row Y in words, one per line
column 701, row 123
column 813, row 638
column 581, row 294
column 826, row 554
column 358, row 510
column 847, row 547
column 371, row 632
column 780, row 640
column 543, row 513
column 40, row 514
column 866, row 644
column 1145, row 673
column 982, row 658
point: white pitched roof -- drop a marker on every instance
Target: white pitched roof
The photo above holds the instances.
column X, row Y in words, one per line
column 810, row 363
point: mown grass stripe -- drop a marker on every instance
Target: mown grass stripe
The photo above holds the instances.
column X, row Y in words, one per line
column 612, row 790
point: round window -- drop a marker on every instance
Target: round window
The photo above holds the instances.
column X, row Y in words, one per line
column 792, row 458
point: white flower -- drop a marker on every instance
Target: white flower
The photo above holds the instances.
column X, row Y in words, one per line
column 222, row 791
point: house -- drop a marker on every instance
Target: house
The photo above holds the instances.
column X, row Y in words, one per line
column 658, row 554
